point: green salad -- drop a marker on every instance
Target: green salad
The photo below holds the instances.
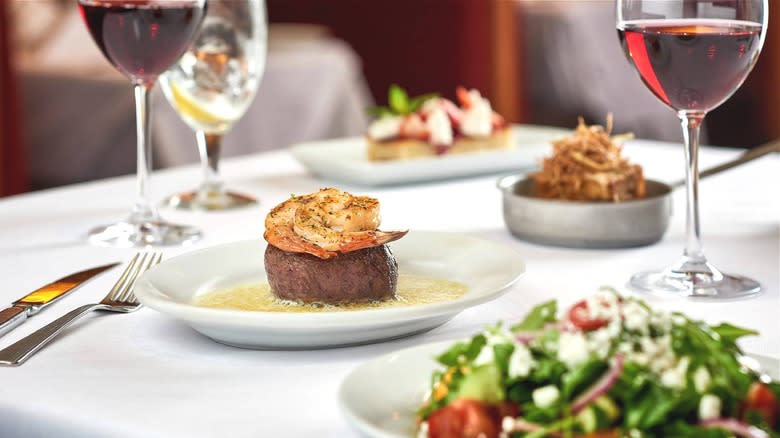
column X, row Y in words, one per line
column 610, row 366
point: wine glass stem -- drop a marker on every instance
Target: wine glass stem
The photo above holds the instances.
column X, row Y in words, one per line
column 691, row 124
column 210, row 146
column 143, row 211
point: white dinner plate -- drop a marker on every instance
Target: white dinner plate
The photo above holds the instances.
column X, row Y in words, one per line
column 486, row 268
column 344, row 160
column 380, row 397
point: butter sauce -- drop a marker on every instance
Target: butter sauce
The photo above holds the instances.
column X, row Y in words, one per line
column 412, row 290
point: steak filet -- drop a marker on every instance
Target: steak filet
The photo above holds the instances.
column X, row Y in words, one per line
column 369, row 274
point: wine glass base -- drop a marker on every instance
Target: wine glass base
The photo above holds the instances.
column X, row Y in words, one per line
column 214, row 201
column 149, row 233
column 695, row 285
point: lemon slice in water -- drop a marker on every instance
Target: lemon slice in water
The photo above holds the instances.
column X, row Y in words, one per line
column 188, row 107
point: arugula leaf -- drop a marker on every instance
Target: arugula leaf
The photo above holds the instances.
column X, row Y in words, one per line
column 469, row 350
column 682, row 429
column 547, row 371
column 581, row 377
column 502, row 353
column 652, row 408
column 398, row 99
column 730, row 333
column 539, row 316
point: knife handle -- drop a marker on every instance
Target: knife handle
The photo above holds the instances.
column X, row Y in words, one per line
column 12, row 317
column 17, row 353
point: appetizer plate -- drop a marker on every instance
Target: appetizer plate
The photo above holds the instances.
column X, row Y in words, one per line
column 380, row 397
column 344, row 160
column 488, row 269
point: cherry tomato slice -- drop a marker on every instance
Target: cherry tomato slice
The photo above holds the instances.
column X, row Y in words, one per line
column 580, row 317
column 467, row 418
column 762, row 400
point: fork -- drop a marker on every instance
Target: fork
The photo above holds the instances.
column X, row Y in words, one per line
column 120, row 299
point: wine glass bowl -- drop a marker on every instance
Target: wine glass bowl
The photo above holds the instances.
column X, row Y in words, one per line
column 141, row 39
column 692, row 55
column 211, row 87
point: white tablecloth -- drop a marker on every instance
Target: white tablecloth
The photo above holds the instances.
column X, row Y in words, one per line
column 145, row 375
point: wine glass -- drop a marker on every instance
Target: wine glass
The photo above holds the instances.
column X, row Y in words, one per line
column 212, row 86
column 693, row 55
column 142, row 38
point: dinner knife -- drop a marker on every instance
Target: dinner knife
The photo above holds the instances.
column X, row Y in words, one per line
column 36, row 300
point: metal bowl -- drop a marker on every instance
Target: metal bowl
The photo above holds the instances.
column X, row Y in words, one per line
column 576, row 224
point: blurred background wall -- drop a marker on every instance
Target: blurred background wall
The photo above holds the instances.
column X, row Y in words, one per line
column 68, row 116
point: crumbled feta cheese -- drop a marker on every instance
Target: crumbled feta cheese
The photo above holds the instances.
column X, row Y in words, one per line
column 478, row 120
column 572, row 348
column 385, row 127
column 600, row 341
column 422, row 431
column 701, row 379
column 679, row 320
column 438, row 124
column 545, row 396
column 649, row 346
column 675, row 377
column 508, row 424
column 636, row 317
column 520, row 362
column 640, row 358
column 485, row 356
column 499, row 336
column 661, row 321
column 603, row 305
column 492, row 337
column 709, row 407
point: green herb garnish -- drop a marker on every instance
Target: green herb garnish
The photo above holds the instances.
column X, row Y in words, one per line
column 399, row 103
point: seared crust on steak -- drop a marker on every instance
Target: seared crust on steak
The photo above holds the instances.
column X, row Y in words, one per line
column 369, row 274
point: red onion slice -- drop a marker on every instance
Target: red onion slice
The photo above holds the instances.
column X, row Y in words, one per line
column 601, row 387
column 735, row 426
column 527, row 336
column 521, row 425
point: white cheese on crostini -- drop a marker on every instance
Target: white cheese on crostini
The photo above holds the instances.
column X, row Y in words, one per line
column 439, row 127
column 385, row 128
column 478, row 119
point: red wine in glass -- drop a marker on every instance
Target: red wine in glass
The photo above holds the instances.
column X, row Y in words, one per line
column 692, row 65
column 142, row 38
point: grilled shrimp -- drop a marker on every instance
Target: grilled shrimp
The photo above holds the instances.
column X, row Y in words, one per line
column 327, row 223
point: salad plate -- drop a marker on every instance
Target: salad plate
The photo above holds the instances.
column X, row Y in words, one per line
column 486, row 268
column 344, row 160
column 382, row 398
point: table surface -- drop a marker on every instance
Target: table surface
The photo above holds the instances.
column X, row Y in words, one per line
column 145, row 375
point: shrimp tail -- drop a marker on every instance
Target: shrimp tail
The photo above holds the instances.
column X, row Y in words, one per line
column 368, row 239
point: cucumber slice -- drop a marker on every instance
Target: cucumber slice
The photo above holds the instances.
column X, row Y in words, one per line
column 608, row 406
column 599, row 415
column 588, row 419
column 483, row 383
